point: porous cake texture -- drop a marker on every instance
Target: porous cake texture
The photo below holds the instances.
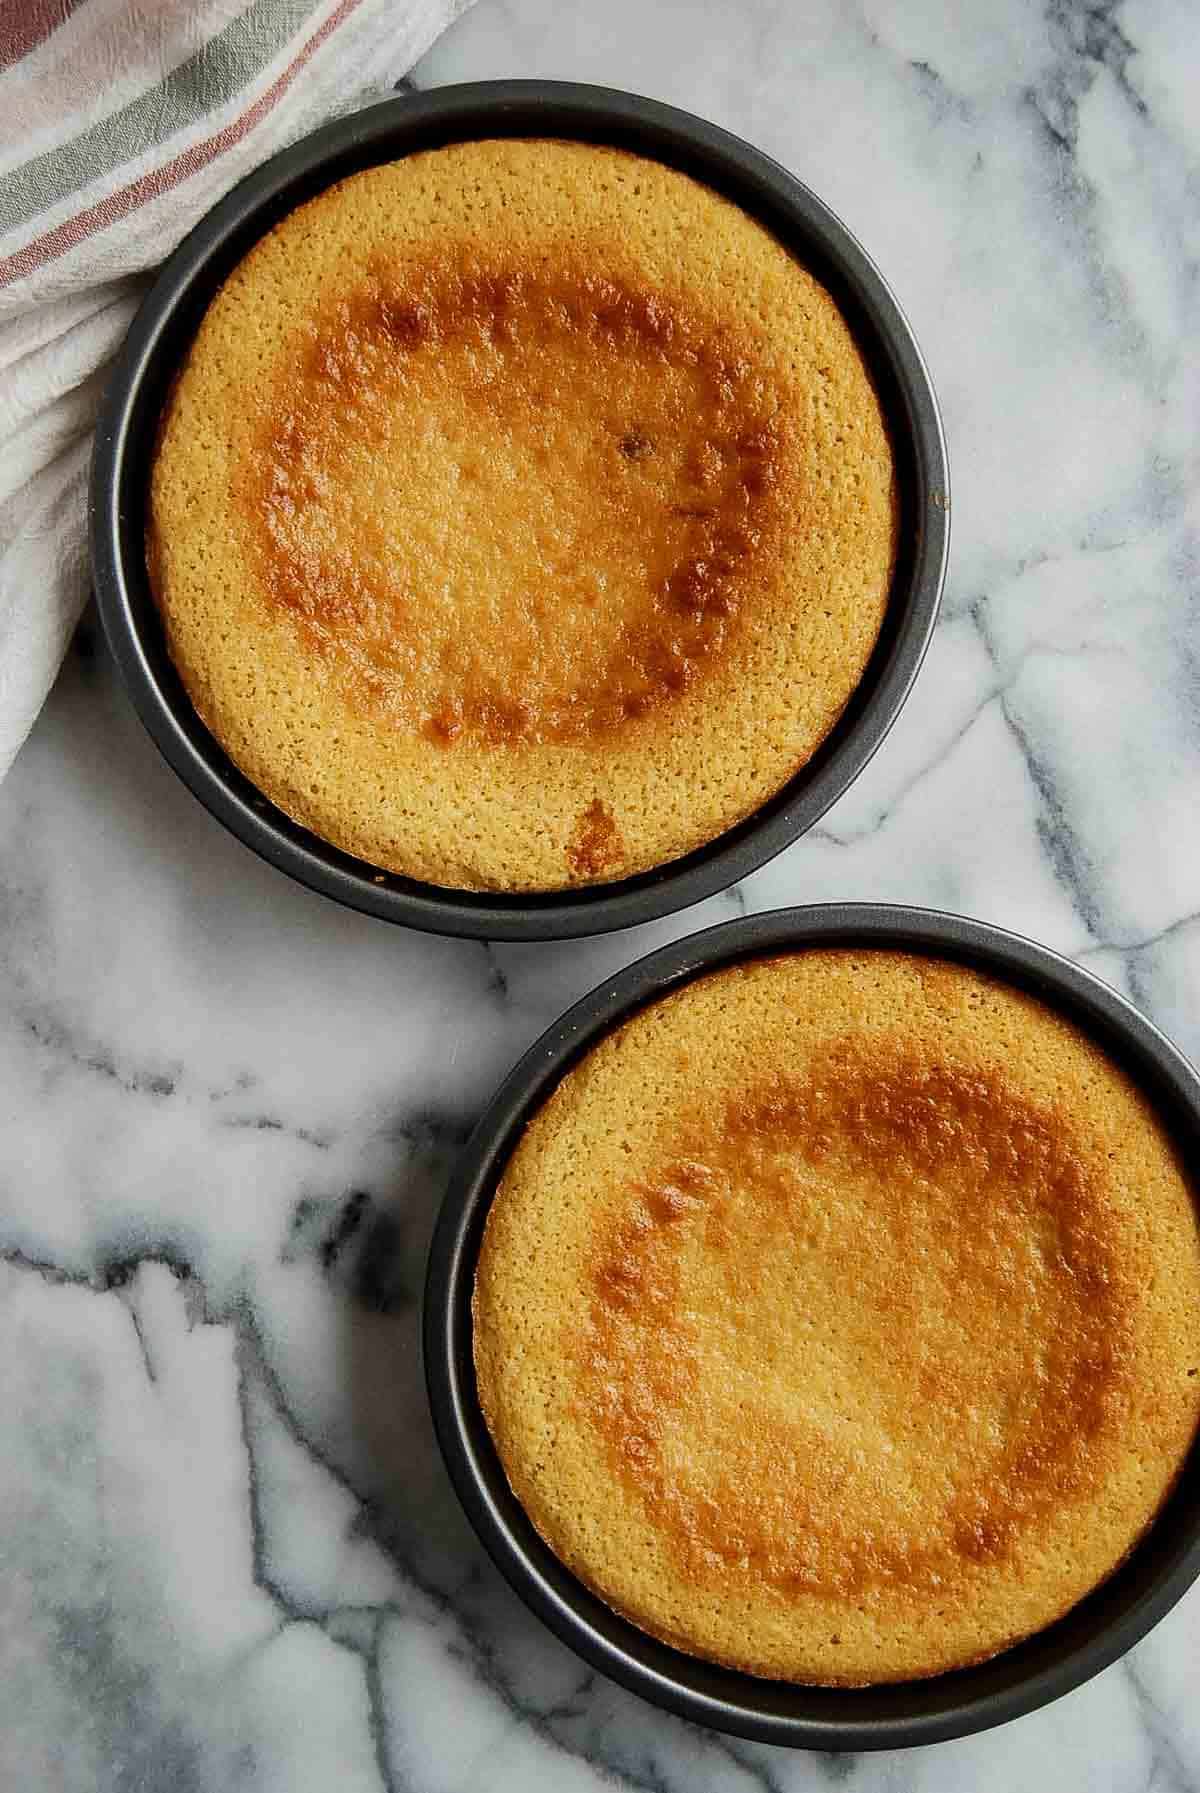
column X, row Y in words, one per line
column 522, row 516
column 838, row 1317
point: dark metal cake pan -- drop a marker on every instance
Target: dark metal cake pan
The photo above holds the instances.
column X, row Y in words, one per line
column 166, row 324
column 1097, row 1631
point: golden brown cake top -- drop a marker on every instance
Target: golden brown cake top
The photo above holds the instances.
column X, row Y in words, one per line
column 613, row 463
column 523, row 515
column 839, row 1317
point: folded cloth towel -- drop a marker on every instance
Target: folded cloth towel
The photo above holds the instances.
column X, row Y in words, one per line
column 121, row 122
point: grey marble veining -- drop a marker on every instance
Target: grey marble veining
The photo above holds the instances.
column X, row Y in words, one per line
column 231, row 1557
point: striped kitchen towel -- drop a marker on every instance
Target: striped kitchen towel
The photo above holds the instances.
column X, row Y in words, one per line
column 121, row 122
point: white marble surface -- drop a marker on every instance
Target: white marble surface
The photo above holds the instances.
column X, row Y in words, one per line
column 229, row 1554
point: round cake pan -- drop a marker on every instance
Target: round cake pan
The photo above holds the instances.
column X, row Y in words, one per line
column 160, row 336
column 1097, row 1631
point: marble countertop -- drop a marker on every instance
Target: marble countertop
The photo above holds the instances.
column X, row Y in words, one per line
column 230, row 1554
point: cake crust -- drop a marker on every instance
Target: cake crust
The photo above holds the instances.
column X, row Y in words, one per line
column 838, row 1317
column 522, row 516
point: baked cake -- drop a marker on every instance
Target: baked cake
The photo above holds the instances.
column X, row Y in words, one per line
column 522, row 516
column 838, row 1317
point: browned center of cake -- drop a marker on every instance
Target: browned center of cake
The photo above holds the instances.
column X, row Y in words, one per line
column 821, row 1455
column 595, row 468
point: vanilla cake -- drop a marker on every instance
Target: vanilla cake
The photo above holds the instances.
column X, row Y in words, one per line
column 838, row 1317
column 522, row 516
